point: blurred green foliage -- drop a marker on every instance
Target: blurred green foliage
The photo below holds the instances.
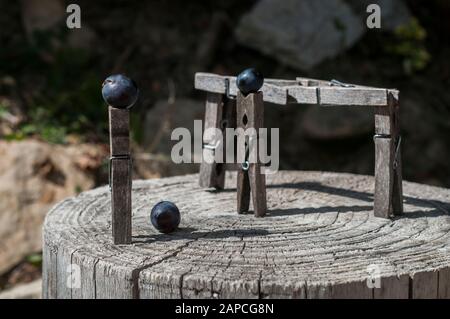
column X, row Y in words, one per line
column 78, row 189
column 3, row 110
column 409, row 45
column 65, row 99
column 35, row 259
column 137, row 128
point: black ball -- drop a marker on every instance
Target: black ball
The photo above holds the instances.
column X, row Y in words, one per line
column 165, row 217
column 249, row 81
column 119, row 91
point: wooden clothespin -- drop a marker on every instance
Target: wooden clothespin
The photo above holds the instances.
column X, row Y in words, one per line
column 388, row 197
column 121, row 94
column 220, row 114
column 250, row 115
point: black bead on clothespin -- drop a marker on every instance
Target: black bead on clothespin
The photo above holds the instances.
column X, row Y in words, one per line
column 250, row 114
column 121, row 93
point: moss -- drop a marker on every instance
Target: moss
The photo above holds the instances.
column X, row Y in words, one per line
column 409, row 45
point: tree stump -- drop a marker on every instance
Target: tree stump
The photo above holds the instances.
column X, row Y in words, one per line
column 319, row 240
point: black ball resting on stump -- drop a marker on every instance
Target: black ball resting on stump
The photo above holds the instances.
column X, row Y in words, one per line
column 318, row 240
column 165, row 217
column 121, row 93
column 222, row 94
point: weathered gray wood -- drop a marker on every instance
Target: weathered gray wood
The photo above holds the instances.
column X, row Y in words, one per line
column 425, row 285
column 121, row 200
column 119, row 135
column 384, row 178
column 258, row 188
column 352, row 96
column 312, row 82
column 337, row 96
column 218, row 84
column 352, row 290
column 272, row 93
column 120, row 174
column 280, row 82
column 304, row 95
column 212, row 174
column 318, row 291
column 316, row 83
column 388, row 197
column 49, row 270
column 316, row 242
column 383, row 121
column 87, row 289
column 211, row 83
column 160, row 285
column 250, row 115
column 274, row 289
column 230, row 122
column 257, row 178
column 395, row 287
column 397, row 191
column 114, row 282
column 300, row 91
column 243, row 191
column 64, row 275
column 444, row 283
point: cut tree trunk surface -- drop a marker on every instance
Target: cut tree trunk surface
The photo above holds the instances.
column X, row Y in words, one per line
column 318, row 240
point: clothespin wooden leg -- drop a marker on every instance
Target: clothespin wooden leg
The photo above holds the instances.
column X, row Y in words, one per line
column 220, row 113
column 388, row 198
column 212, row 174
column 243, row 191
column 396, row 149
column 250, row 115
column 258, row 187
column 120, row 174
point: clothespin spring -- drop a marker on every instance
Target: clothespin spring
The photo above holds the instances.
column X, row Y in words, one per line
column 397, row 152
column 341, row 84
column 398, row 143
column 246, row 165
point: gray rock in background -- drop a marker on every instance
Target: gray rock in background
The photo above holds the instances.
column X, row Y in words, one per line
column 45, row 15
column 303, row 33
column 33, row 177
column 300, row 33
column 394, row 13
column 41, row 15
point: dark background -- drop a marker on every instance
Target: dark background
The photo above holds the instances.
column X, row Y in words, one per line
column 56, row 85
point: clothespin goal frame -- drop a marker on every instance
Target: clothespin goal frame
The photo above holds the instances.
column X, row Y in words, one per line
column 221, row 106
